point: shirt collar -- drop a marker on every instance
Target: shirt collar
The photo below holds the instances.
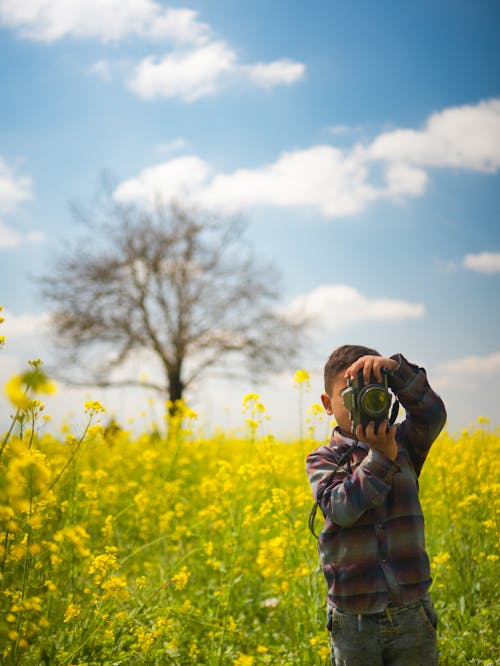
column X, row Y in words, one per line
column 339, row 438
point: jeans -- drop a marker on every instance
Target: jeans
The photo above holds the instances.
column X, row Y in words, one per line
column 396, row 637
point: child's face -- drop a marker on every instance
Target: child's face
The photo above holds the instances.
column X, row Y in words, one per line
column 334, row 403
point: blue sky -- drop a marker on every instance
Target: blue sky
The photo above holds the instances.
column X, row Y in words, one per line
column 361, row 140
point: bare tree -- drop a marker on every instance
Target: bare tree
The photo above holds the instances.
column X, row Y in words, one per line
column 177, row 282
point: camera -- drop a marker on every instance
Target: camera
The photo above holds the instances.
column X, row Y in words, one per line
column 367, row 402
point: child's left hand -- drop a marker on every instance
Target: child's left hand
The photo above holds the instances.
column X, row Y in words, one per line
column 382, row 440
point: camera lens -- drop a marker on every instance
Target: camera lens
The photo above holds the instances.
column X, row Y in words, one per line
column 374, row 401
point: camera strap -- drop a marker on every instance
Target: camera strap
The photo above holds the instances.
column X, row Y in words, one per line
column 321, row 491
column 394, row 413
column 343, row 459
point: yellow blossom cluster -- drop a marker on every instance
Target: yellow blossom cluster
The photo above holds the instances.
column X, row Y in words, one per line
column 181, row 548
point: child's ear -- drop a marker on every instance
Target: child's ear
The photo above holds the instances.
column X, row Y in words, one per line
column 327, row 403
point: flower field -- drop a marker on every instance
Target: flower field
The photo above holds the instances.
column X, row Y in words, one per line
column 175, row 548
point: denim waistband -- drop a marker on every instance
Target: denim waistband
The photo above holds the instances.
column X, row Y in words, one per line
column 389, row 610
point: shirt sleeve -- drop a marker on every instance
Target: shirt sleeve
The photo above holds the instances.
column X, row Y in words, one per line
column 425, row 411
column 342, row 496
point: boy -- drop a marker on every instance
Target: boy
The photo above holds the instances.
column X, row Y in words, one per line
column 372, row 547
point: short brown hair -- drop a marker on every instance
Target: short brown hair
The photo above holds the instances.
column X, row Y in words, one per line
column 341, row 359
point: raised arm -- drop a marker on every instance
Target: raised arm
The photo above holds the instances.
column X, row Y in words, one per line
column 425, row 411
column 343, row 496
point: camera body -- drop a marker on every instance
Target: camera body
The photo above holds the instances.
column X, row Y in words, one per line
column 367, row 402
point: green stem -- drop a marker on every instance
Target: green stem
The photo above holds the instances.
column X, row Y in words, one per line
column 9, row 433
column 72, row 456
column 5, row 549
column 301, row 425
column 26, row 571
column 33, row 422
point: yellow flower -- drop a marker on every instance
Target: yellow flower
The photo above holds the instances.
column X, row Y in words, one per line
column 180, row 580
column 102, row 564
column 183, row 411
column 37, row 380
column 28, row 470
column 96, row 430
column 194, row 651
column 440, row 558
column 243, row 660
column 72, row 611
column 76, row 535
column 18, row 386
column 116, row 586
column 270, row 554
column 16, row 393
column 316, row 409
column 93, row 407
column 467, row 501
column 324, row 652
column 250, row 397
column 302, row 377
column 145, row 639
column 141, row 582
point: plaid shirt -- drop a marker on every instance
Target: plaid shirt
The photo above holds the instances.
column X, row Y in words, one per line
column 372, row 545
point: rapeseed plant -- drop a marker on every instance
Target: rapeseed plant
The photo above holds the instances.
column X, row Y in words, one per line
column 175, row 548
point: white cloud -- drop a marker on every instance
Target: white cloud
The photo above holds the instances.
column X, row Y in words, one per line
column 466, row 137
column 24, row 325
column 189, row 75
column 470, row 366
column 197, row 66
column 179, row 176
column 445, row 265
column 269, row 74
column 404, row 180
column 102, row 69
column 332, row 181
column 469, row 386
column 173, row 146
column 195, row 73
column 342, row 130
column 10, row 238
column 13, row 189
column 484, row 262
column 16, row 327
column 337, row 305
column 321, row 177
column 107, row 20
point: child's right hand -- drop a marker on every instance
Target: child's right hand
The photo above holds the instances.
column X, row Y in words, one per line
column 383, row 440
column 369, row 364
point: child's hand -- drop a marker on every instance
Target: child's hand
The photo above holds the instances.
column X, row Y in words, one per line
column 383, row 440
column 370, row 364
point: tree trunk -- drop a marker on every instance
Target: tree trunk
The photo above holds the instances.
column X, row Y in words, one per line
column 175, row 386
